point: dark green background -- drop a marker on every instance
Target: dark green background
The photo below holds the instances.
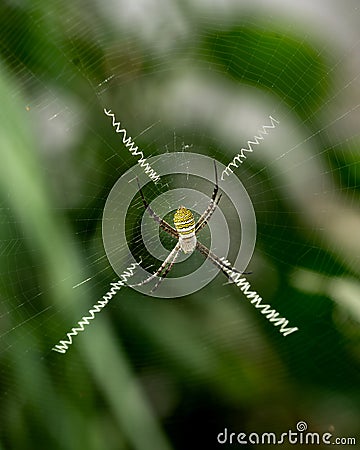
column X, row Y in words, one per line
column 147, row 373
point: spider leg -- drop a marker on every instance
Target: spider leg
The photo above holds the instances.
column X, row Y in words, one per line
column 170, row 259
column 212, row 205
column 207, row 214
column 225, row 268
column 166, row 272
column 163, row 224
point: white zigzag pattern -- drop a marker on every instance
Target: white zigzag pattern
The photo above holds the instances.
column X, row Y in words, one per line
column 271, row 314
column 133, row 148
column 64, row 345
column 240, row 157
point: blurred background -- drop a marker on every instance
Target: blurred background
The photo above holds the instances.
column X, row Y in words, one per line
column 181, row 76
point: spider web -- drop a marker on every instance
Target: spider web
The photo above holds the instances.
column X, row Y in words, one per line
column 183, row 78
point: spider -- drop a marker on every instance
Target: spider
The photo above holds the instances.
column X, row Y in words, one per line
column 185, row 232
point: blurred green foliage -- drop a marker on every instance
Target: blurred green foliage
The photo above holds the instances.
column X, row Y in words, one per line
column 148, row 374
column 263, row 57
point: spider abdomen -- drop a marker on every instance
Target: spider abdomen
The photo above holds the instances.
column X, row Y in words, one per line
column 185, row 225
column 188, row 244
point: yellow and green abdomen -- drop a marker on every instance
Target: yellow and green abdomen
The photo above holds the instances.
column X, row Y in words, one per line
column 185, row 225
column 184, row 221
